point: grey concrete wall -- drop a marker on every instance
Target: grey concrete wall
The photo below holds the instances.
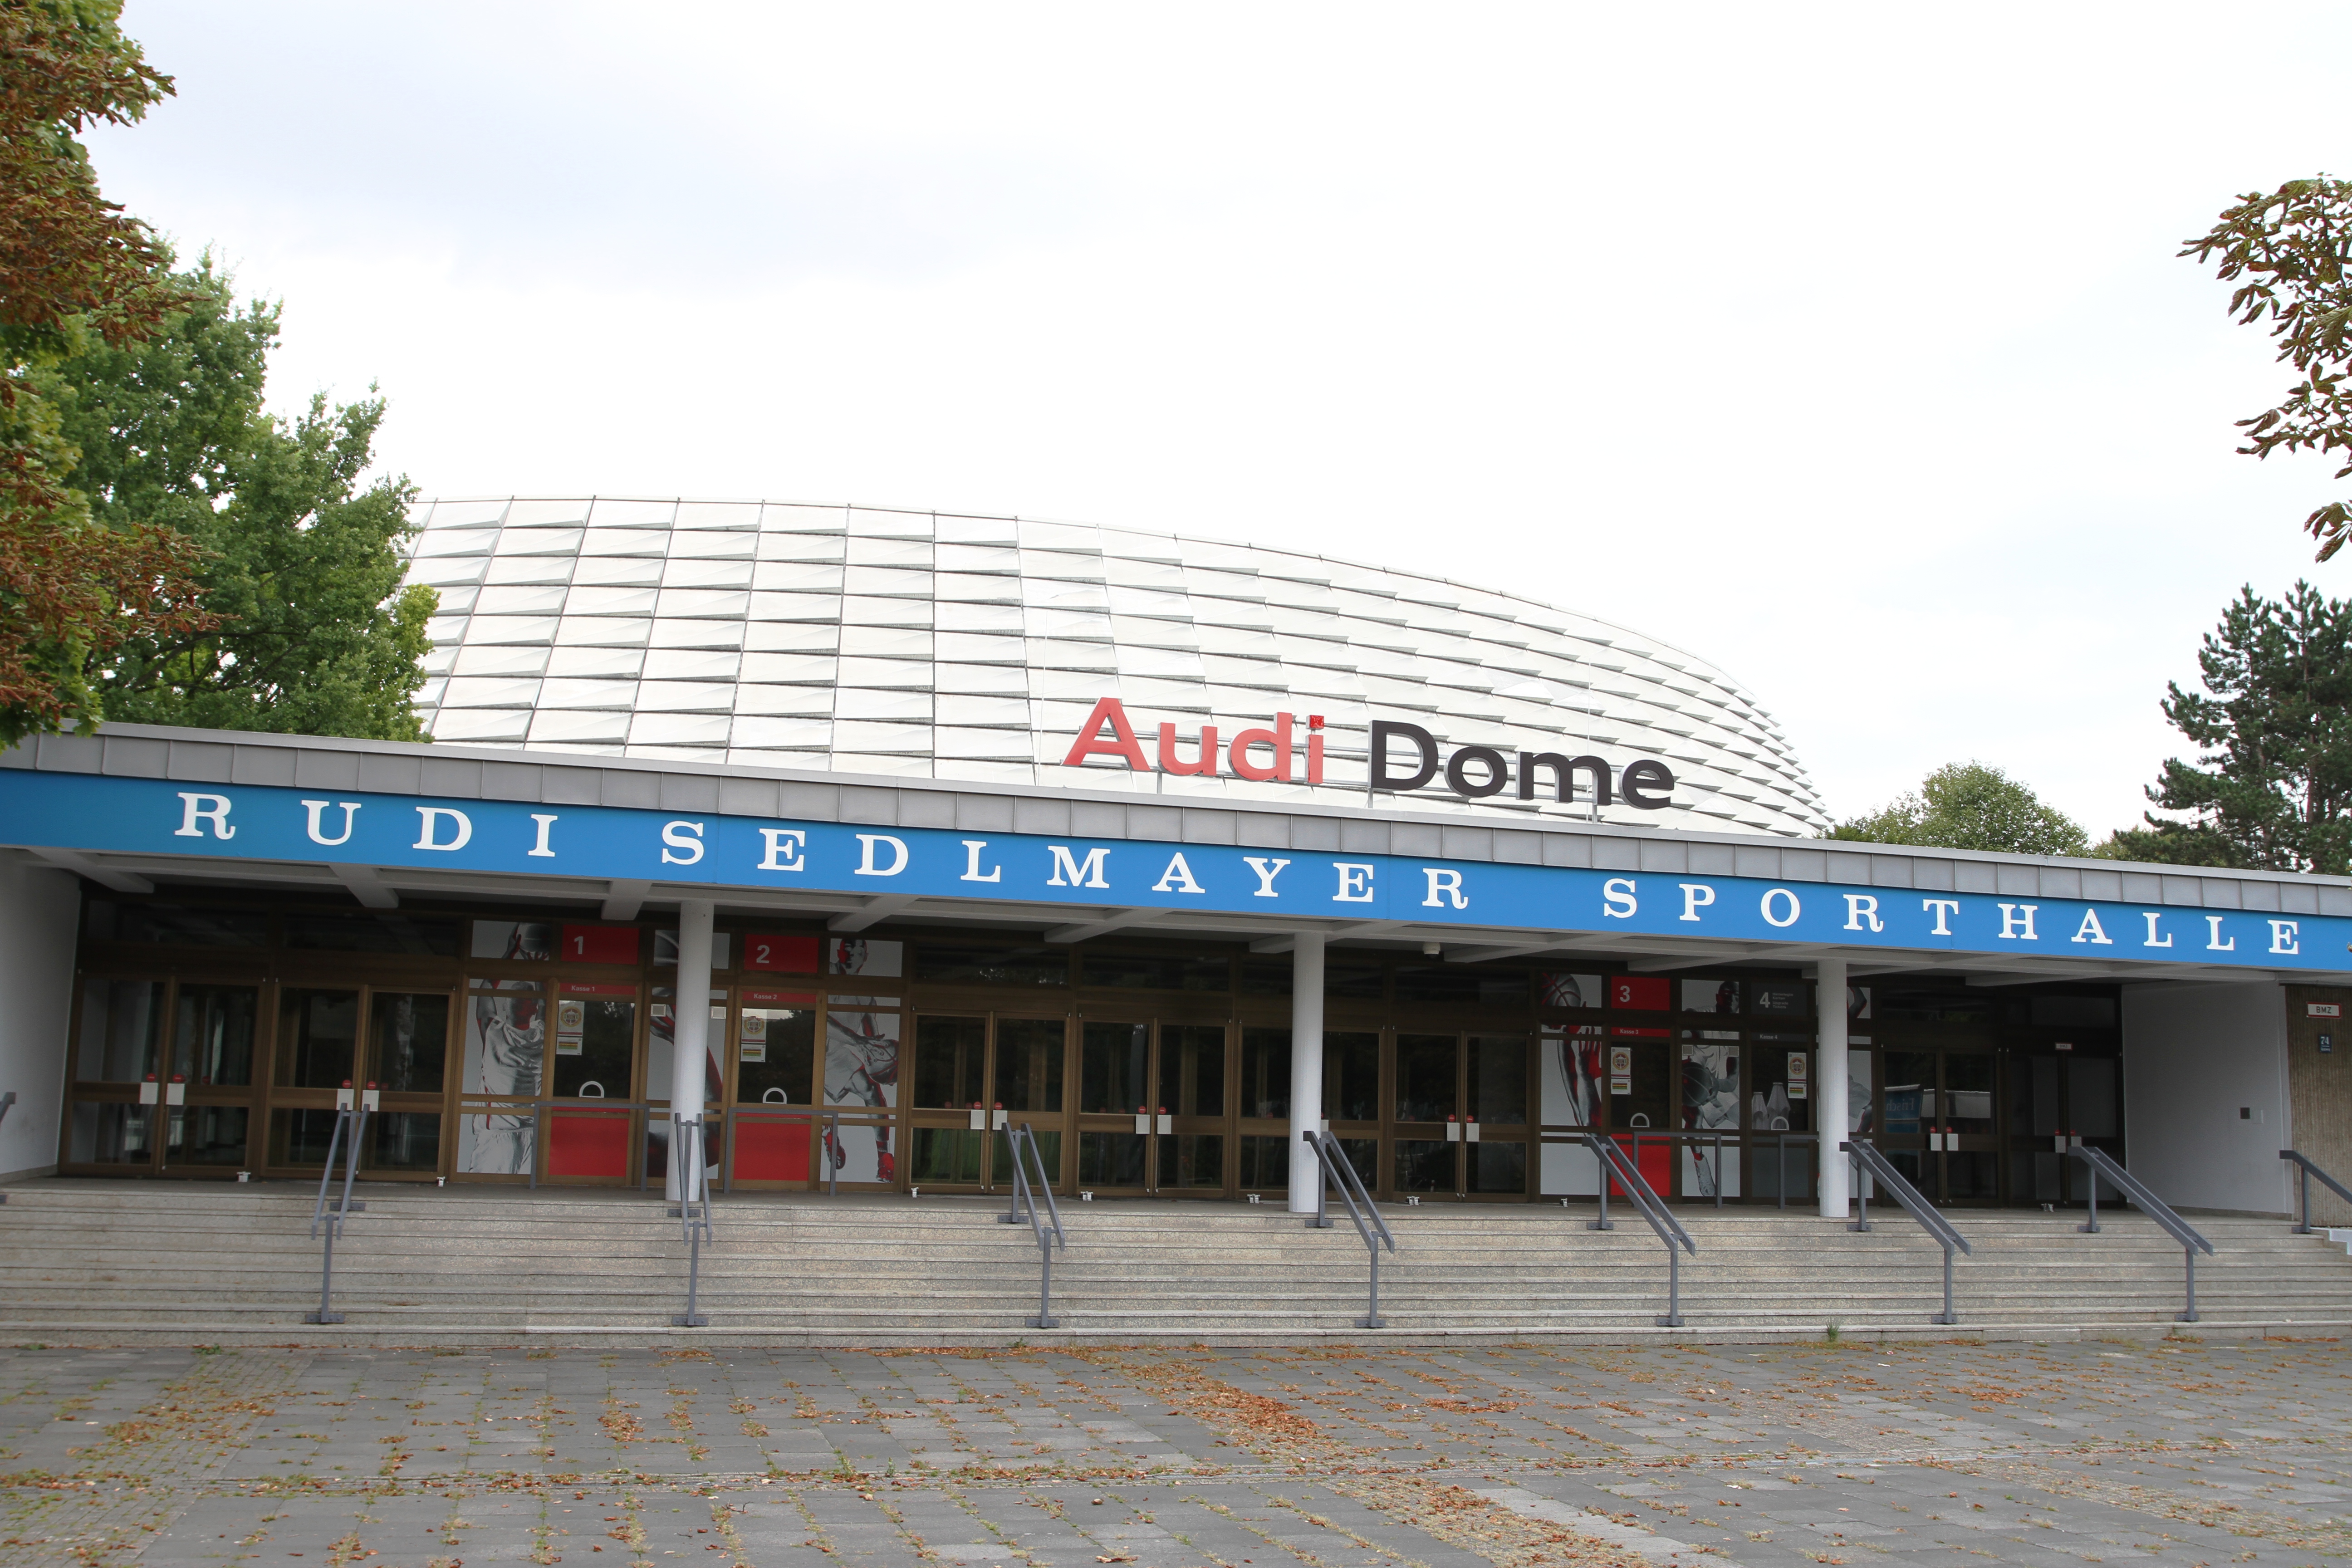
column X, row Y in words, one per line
column 2205, row 1093
column 38, row 910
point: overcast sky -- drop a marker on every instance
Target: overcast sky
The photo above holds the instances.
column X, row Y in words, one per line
column 1845, row 346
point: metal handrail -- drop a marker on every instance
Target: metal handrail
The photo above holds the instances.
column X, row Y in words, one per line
column 1652, row 1208
column 1045, row 1224
column 2304, row 1170
column 1341, row 1171
column 354, row 1115
column 1867, row 1157
column 2149, row 1204
column 832, row 1116
column 693, row 1210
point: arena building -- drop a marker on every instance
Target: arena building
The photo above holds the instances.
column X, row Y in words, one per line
column 870, row 833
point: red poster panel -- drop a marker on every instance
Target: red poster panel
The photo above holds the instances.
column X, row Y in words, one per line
column 1656, row 1161
column 600, row 944
column 771, row 1149
column 581, row 1143
column 779, row 998
column 791, row 954
column 1651, row 993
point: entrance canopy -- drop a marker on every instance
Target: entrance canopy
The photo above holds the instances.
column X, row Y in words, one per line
column 141, row 804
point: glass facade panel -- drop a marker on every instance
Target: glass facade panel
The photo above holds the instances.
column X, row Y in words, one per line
column 1113, row 1063
column 317, row 1036
column 403, row 1140
column 1351, row 1076
column 109, row 1135
column 1146, row 971
column 372, row 931
column 408, row 1041
column 122, row 1031
column 1192, row 1071
column 1424, row 1166
column 1425, row 1086
column 1497, row 1068
column 1266, row 1164
column 1191, row 1160
column 945, row 965
column 1029, row 1065
column 951, row 1055
column 213, row 1034
column 947, row 1156
column 208, row 1135
column 1110, row 1159
column 1265, row 1072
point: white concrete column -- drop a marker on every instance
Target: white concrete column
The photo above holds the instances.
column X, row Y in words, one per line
column 689, row 1022
column 1829, row 1119
column 1306, row 1068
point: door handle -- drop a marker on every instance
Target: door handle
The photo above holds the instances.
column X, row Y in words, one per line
column 148, row 1091
column 1166, row 1124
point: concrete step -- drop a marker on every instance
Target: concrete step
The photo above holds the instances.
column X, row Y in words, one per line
column 88, row 1262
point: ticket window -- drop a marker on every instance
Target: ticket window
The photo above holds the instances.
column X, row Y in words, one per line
column 1779, row 1103
column 776, row 1072
column 595, row 1041
column 1642, row 1082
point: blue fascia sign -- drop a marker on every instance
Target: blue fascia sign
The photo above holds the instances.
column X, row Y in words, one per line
column 148, row 816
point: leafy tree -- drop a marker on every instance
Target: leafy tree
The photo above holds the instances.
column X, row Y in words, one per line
column 73, row 271
column 301, row 564
column 1971, row 805
column 2273, row 786
column 2294, row 248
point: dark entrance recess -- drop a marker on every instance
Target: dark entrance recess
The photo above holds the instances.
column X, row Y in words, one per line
column 513, row 1044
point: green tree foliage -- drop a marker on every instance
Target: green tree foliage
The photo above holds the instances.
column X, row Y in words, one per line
column 2292, row 248
column 73, row 271
column 302, row 564
column 2272, row 784
column 1971, row 805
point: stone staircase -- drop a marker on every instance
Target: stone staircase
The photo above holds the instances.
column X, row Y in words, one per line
column 132, row 1263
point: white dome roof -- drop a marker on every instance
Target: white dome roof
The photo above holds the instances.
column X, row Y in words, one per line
column 862, row 640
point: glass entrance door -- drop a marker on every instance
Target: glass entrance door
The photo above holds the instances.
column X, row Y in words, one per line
column 2053, row 1101
column 1461, row 1117
column 163, row 1077
column 1940, row 1126
column 1153, row 1113
column 977, row 1077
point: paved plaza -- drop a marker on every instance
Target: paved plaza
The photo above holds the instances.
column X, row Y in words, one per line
column 2183, row 1451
